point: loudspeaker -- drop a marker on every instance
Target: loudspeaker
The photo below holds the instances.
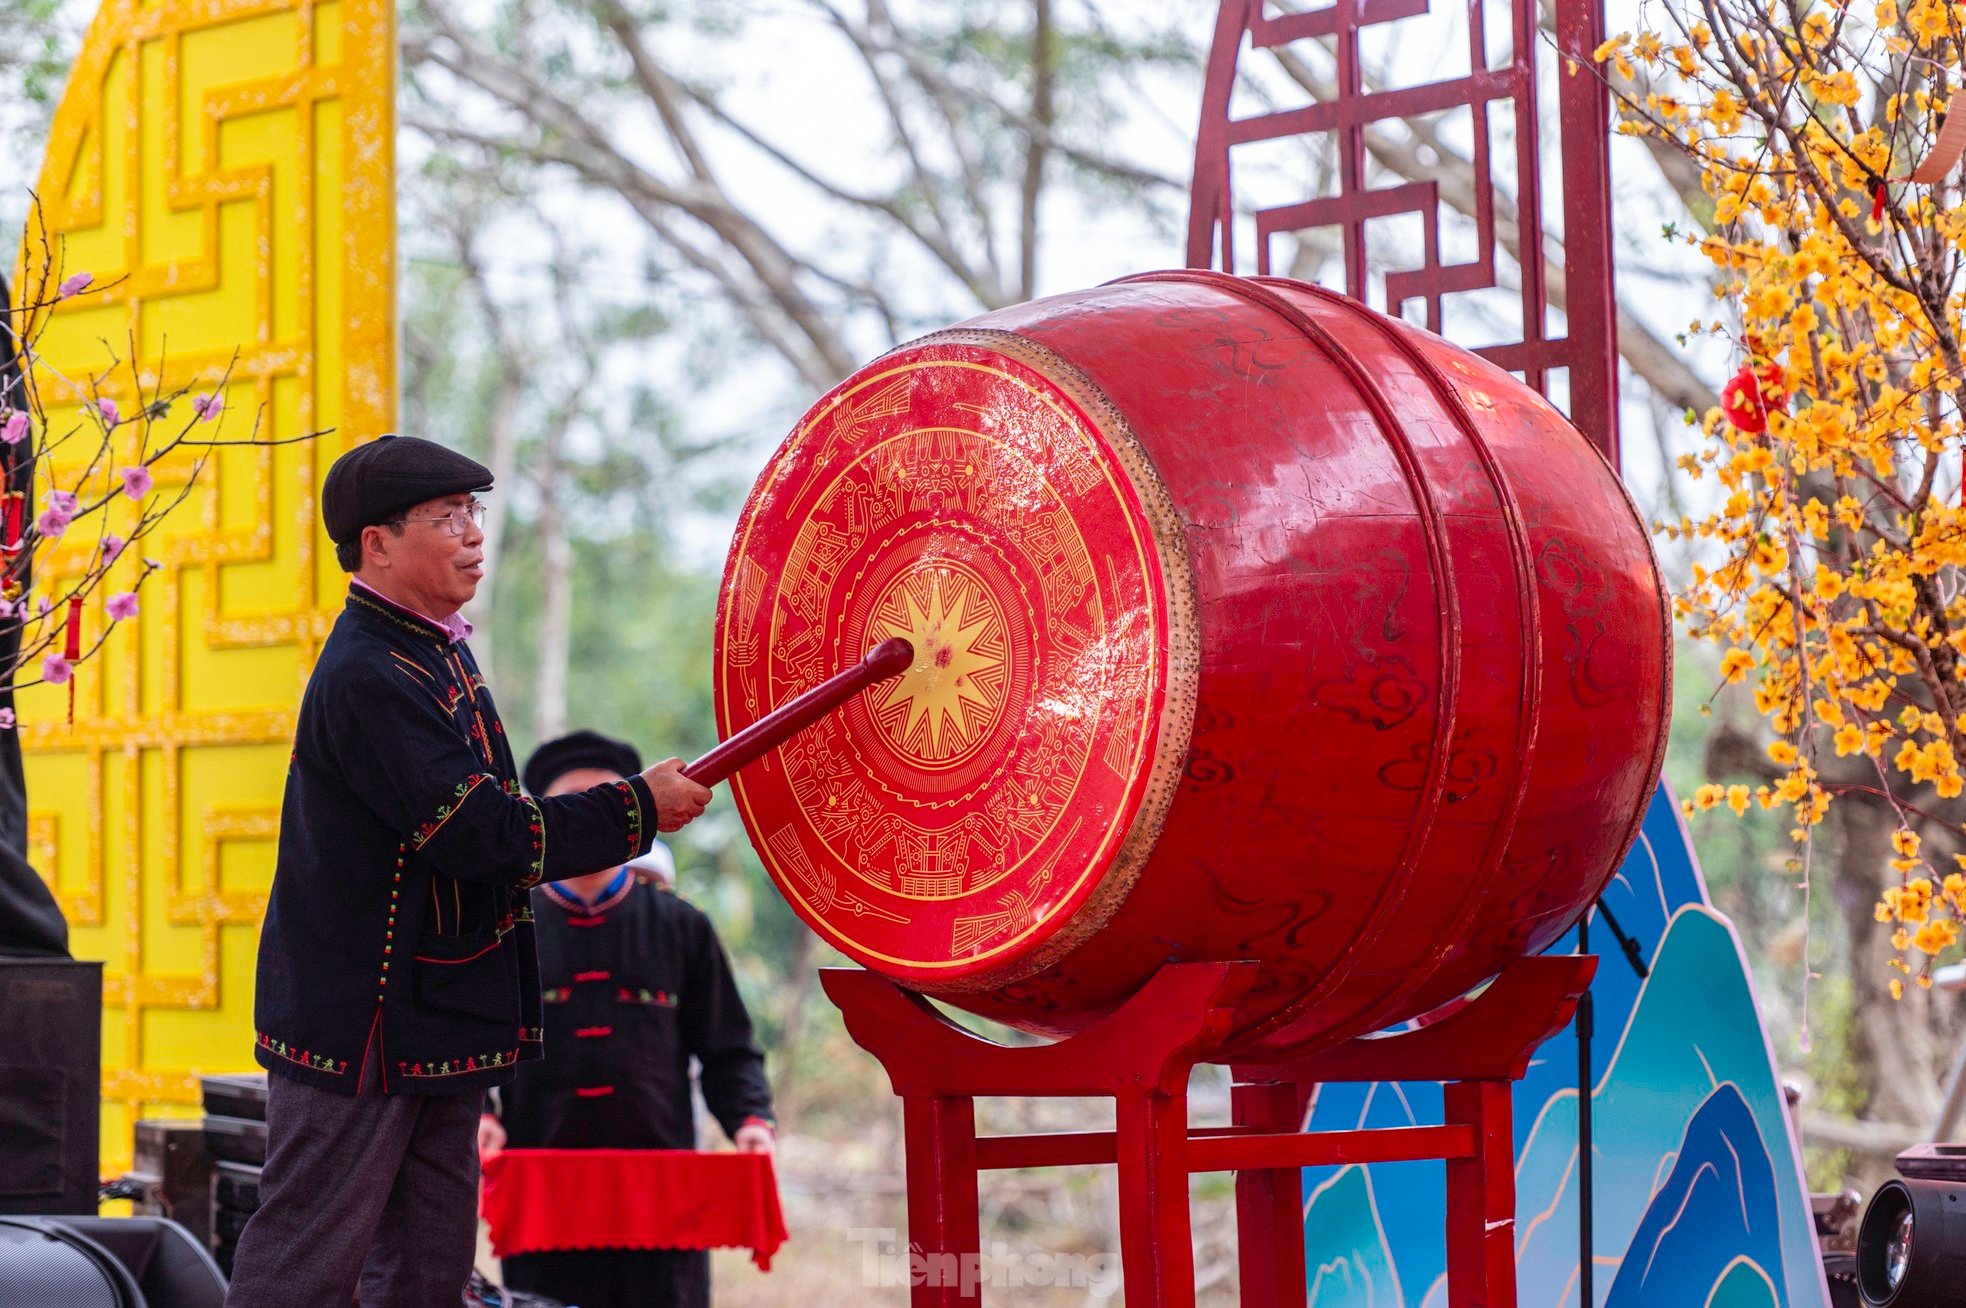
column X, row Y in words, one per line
column 50, row 1085
column 175, row 1170
column 43, row 1262
column 104, row 1262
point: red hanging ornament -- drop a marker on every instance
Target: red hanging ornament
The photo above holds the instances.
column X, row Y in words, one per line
column 1752, row 394
column 72, row 649
column 1877, row 194
column 15, row 509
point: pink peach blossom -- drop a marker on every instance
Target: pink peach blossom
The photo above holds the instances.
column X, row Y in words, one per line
column 136, row 481
column 107, row 408
column 51, row 524
column 6, row 719
column 208, row 407
column 16, row 429
column 112, row 547
column 122, row 606
column 55, row 669
column 74, row 285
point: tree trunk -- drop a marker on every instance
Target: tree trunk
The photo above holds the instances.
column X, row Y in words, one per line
column 502, row 440
column 1044, row 76
column 504, row 462
column 799, row 976
column 549, row 706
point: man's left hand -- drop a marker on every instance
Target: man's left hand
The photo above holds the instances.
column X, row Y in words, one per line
column 755, row 1138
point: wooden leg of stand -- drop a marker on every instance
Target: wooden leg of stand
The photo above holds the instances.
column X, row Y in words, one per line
column 1157, row 1253
column 1481, row 1199
column 1270, row 1204
column 943, row 1222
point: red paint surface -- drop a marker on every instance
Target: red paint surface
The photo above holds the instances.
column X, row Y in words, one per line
column 1414, row 617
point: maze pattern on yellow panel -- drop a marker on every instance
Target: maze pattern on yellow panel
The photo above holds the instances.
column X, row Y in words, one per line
column 226, row 167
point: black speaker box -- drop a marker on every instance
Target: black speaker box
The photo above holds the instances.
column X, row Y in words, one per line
column 235, row 1186
column 236, row 1094
column 175, row 1170
column 50, row 1085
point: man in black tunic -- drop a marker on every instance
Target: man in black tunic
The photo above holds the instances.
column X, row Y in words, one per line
column 397, row 978
column 636, row 984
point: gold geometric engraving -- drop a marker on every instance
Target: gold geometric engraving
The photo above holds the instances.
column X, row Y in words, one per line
column 823, row 886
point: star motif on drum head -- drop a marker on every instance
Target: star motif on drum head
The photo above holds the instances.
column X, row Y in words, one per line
column 948, row 699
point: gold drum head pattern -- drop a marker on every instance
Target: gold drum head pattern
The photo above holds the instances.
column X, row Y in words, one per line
column 946, row 826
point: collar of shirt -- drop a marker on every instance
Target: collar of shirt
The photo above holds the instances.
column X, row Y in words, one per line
column 456, row 626
column 614, row 884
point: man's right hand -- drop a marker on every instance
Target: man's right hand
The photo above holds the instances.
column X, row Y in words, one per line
column 678, row 800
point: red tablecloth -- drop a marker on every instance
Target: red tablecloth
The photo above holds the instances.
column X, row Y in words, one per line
column 541, row 1199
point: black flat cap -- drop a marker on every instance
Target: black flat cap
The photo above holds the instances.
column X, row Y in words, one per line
column 374, row 482
column 581, row 749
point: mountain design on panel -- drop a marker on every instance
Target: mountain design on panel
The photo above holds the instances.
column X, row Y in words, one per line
column 1682, row 1069
column 1714, row 1224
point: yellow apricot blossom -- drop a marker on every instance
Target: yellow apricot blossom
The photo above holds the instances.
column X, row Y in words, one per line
column 1829, row 568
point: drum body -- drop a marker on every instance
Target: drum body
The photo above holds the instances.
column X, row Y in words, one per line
column 1250, row 624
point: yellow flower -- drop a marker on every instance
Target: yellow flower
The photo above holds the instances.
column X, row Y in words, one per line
column 1839, row 88
column 1737, row 799
column 1724, row 112
column 1936, row 937
column 1608, row 48
column 1927, row 19
column 1849, row 739
column 1734, row 665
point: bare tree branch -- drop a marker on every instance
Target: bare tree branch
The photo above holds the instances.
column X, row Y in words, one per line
column 1645, row 353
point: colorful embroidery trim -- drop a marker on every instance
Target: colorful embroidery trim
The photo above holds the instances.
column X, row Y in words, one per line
column 406, row 624
column 301, row 1057
column 536, row 826
column 634, row 803
column 464, row 788
column 458, row 1066
column 532, row 1035
column 653, row 998
column 413, row 666
column 572, row 903
column 557, row 995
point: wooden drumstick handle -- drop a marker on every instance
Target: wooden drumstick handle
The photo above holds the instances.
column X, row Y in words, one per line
column 885, row 661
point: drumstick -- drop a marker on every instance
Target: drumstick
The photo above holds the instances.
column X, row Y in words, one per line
column 885, row 661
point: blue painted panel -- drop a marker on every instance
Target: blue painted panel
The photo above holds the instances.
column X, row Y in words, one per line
column 1698, row 1179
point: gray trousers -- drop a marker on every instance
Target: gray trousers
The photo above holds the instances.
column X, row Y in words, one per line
column 370, row 1190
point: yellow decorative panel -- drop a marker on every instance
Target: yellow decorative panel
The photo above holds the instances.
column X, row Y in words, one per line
column 227, row 167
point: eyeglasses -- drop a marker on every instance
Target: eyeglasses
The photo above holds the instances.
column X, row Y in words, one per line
column 455, row 519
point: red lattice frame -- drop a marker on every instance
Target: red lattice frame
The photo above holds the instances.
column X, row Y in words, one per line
column 1588, row 347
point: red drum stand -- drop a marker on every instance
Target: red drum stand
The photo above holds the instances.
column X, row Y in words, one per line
column 1142, row 1055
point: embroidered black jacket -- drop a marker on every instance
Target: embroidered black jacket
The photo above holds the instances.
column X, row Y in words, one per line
column 635, row 986
column 398, row 948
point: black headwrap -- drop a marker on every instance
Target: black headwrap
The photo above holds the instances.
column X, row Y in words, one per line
column 581, row 749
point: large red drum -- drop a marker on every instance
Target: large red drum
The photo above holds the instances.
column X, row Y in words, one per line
column 1249, row 624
